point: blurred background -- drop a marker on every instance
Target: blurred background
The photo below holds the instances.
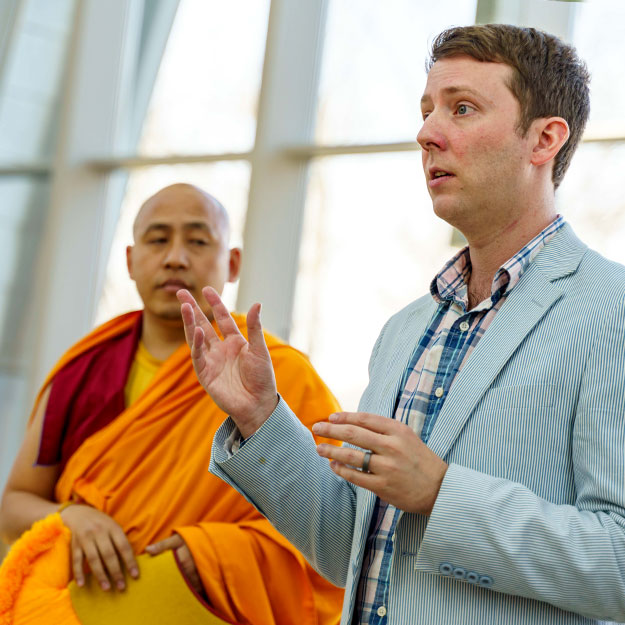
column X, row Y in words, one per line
column 300, row 116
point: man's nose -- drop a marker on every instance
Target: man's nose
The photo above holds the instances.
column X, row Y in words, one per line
column 176, row 257
column 432, row 134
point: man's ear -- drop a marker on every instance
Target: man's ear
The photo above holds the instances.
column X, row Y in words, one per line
column 551, row 134
column 234, row 267
column 129, row 260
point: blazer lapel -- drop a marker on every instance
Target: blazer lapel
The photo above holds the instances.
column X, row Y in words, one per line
column 385, row 388
column 384, row 395
column 528, row 302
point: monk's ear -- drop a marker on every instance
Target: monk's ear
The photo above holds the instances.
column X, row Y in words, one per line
column 550, row 133
column 129, row 260
column 234, row 267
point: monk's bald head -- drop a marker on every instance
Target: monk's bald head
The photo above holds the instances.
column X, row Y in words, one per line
column 180, row 242
column 182, row 196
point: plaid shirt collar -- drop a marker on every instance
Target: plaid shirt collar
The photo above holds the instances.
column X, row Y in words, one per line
column 451, row 283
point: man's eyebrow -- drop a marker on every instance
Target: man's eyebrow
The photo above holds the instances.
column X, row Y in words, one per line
column 453, row 90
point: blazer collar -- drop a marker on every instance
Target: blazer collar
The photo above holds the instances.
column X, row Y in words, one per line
column 528, row 302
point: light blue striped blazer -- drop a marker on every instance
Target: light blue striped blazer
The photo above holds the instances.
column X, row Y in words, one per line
column 534, row 431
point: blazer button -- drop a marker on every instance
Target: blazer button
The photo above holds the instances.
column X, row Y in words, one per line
column 486, row 581
column 459, row 573
column 473, row 577
column 445, row 568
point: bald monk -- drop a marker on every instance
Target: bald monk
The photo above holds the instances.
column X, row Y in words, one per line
column 114, row 513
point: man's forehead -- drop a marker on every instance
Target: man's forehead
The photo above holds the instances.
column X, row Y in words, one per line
column 464, row 73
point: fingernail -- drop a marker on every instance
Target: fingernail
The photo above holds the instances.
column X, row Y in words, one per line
column 80, row 582
column 134, row 572
column 105, row 586
column 120, row 585
column 315, row 427
column 333, row 417
column 149, row 548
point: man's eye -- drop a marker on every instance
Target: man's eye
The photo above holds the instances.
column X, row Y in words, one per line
column 463, row 109
column 158, row 240
column 199, row 242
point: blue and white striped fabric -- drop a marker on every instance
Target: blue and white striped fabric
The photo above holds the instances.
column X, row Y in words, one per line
column 534, row 431
column 445, row 346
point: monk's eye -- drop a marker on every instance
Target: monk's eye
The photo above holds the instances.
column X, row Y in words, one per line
column 199, row 242
column 157, row 241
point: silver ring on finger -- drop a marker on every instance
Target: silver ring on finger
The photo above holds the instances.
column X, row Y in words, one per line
column 366, row 460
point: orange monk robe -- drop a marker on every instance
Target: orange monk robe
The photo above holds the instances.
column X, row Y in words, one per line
column 148, row 470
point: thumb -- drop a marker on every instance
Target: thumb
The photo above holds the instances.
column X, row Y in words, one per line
column 173, row 542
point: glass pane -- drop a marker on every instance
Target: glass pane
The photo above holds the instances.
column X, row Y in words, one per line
column 599, row 36
column 206, row 94
column 373, row 72
column 591, row 198
column 31, row 81
column 22, row 214
column 227, row 181
column 367, row 251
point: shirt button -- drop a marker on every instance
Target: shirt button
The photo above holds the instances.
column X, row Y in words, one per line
column 381, row 611
column 439, row 391
column 464, row 326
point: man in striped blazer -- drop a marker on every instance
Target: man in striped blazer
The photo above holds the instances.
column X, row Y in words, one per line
column 483, row 479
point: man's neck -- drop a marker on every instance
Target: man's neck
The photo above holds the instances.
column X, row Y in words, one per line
column 161, row 337
column 489, row 253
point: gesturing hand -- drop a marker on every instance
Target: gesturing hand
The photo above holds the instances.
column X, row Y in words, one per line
column 183, row 553
column 238, row 375
column 403, row 471
column 100, row 540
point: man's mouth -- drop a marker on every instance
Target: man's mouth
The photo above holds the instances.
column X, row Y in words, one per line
column 437, row 176
column 436, row 173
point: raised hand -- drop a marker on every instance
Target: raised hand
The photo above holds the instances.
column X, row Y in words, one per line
column 100, row 540
column 238, row 375
column 402, row 470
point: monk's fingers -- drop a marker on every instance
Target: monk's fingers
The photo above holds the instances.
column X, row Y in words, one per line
column 187, row 564
column 111, row 561
column 92, row 556
column 173, row 542
column 255, row 332
column 224, row 320
column 77, row 562
column 125, row 551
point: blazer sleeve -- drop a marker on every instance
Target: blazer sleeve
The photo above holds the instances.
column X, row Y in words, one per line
column 572, row 556
column 279, row 472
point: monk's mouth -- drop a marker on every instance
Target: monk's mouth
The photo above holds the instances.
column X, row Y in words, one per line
column 173, row 286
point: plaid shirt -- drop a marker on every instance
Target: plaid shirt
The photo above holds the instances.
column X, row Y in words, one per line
column 441, row 352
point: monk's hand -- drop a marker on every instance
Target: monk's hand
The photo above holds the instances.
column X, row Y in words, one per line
column 184, row 557
column 237, row 374
column 402, row 470
column 99, row 539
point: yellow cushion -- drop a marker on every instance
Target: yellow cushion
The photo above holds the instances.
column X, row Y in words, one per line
column 160, row 595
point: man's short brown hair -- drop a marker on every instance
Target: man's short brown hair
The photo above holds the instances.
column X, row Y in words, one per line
column 548, row 79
